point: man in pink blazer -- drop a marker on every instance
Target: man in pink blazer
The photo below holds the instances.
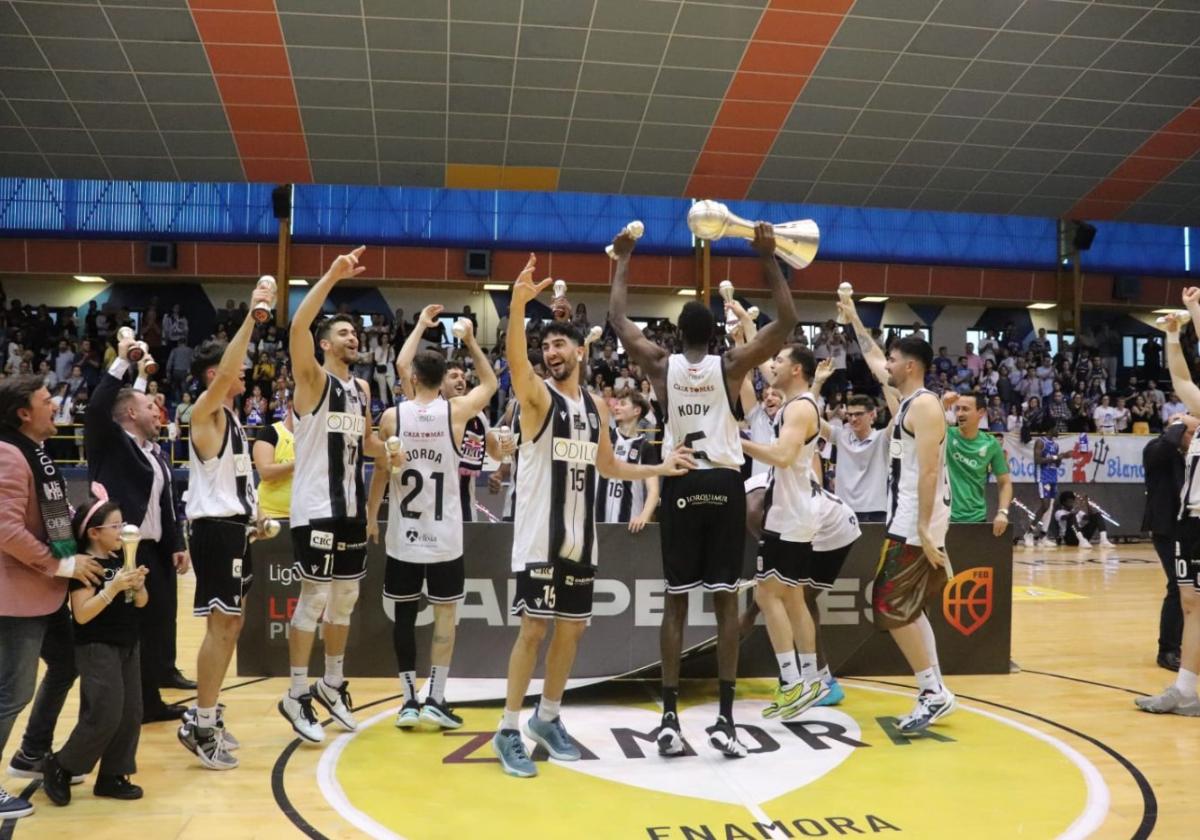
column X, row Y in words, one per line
column 33, row 580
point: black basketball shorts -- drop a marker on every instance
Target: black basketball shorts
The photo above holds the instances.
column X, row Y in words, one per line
column 220, row 551
column 785, row 562
column 1187, row 553
column 702, row 526
column 330, row 549
column 562, row 589
column 443, row 582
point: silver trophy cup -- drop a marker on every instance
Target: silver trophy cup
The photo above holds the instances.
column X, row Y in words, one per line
column 795, row 242
column 130, row 537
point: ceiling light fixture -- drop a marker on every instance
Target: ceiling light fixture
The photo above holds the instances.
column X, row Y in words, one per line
column 686, row 293
column 874, row 299
column 495, row 287
column 297, row 281
column 88, row 278
column 1041, row 306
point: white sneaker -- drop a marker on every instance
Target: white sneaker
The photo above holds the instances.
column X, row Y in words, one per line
column 1083, row 543
column 299, row 713
column 932, row 706
column 1029, row 541
column 1104, row 543
column 1046, row 542
column 337, row 702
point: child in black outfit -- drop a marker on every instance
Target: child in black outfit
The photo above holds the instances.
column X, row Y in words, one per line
column 106, row 656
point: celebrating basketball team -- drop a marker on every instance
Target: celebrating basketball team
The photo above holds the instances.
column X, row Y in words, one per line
column 572, row 465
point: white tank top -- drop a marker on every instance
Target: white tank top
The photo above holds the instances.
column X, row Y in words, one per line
column 425, row 512
column 621, row 501
column 698, row 413
column 837, row 526
column 789, row 502
column 1189, row 496
column 508, row 512
column 328, row 478
column 902, row 483
column 556, row 486
column 223, row 486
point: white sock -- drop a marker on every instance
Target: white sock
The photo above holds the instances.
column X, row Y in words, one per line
column 511, row 719
column 1186, row 682
column 548, row 709
column 824, row 676
column 930, row 645
column 437, row 682
column 928, row 680
column 789, row 670
column 333, row 670
column 808, row 668
column 299, row 685
column 408, row 682
column 206, row 718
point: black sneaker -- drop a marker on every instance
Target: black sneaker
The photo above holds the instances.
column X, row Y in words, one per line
column 13, row 807
column 723, row 737
column 55, row 781
column 440, row 714
column 25, row 766
column 670, row 739
column 116, row 787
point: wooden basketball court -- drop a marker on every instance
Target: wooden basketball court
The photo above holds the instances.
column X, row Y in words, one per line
column 1056, row 749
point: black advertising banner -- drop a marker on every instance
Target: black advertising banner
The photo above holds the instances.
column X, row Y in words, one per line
column 972, row 619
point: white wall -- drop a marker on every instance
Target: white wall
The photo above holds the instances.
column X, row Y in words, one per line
column 53, row 293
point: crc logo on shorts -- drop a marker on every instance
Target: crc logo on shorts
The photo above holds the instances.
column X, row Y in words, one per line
column 346, row 424
column 237, row 567
column 321, row 540
column 241, row 464
column 967, row 600
column 577, row 451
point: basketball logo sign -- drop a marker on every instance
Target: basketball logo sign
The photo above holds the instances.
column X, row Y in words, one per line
column 967, row 600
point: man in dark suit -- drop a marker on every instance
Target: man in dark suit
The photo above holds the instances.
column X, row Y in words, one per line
column 120, row 430
column 1163, row 461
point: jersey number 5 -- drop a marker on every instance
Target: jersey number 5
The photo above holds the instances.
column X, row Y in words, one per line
column 690, row 442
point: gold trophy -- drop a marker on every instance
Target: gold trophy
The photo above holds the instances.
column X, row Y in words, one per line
column 262, row 311
column 130, row 537
column 634, row 229
column 795, row 242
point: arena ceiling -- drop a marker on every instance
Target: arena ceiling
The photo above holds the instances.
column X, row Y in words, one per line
column 1039, row 107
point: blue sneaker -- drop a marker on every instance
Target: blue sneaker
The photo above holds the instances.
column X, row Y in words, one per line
column 510, row 749
column 552, row 735
column 835, row 696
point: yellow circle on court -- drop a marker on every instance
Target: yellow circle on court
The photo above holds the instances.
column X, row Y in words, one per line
column 840, row 771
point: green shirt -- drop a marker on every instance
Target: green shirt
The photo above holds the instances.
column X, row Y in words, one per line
column 968, row 462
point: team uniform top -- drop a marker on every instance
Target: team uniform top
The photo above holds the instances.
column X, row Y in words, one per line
column 620, row 501
column 474, row 448
column 862, row 469
column 425, row 517
column 789, row 502
column 1189, row 496
column 556, row 486
column 328, row 479
column 902, row 524
column 509, row 508
column 222, row 487
column 1049, row 472
column 698, row 413
column 762, row 430
column 837, row 526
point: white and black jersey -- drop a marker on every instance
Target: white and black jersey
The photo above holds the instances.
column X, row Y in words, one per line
column 789, row 506
column 425, row 516
column 837, row 526
column 699, row 414
column 902, row 517
column 621, row 501
column 328, row 479
column 508, row 511
column 1189, row 497
column 556, row 485
column 474, row 449
column 223, row 486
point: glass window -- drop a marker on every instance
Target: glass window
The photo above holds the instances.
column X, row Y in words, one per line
column 1133, row 350
column 905, row 329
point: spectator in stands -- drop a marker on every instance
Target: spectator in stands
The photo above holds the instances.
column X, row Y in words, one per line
column 1081, row 419
column 178, row 366
column 183, row 424
column 996, row 417
column 1152, row 359
column 1124, row 417
column 1140, row 415
column 89, row 363
column 1171, row 407
column 254, row 408
column 62, row 446
column 64, row 361
column 1057, row 411
column 175, row 326
column 1105, row 417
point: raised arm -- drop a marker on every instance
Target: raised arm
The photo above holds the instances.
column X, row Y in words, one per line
column 774, row 335
column 531, row 392
column 305, row 369
column 607, row 464
column 408, row 352
column 1181, row 377
column 872, row 354
column 800, row 423
column 929, row 429
column 651, row 358
column 477, row 399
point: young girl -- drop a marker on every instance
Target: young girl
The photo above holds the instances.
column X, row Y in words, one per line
column 106, row 656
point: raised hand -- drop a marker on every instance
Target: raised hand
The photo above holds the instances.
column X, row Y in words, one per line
column 824, row 371
column 524, row 289
column 429, row 315
column 1191, row 295
column 764, row 239
column 346, row 265
column 622, row 244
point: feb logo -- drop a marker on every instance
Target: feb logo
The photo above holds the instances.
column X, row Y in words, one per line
column 967, row 600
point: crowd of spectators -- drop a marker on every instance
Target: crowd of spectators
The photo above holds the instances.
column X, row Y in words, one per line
column 1029, row 388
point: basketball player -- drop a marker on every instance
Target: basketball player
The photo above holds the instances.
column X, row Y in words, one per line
column 563, row 446
column 703, row 512
column 1046, row 460
column 913, row 564
column 785, row 551
column 221, row 503
column 477, row 440
column 632, row 502
column 1181, row 697
column 329, row 528
column 425, row 519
